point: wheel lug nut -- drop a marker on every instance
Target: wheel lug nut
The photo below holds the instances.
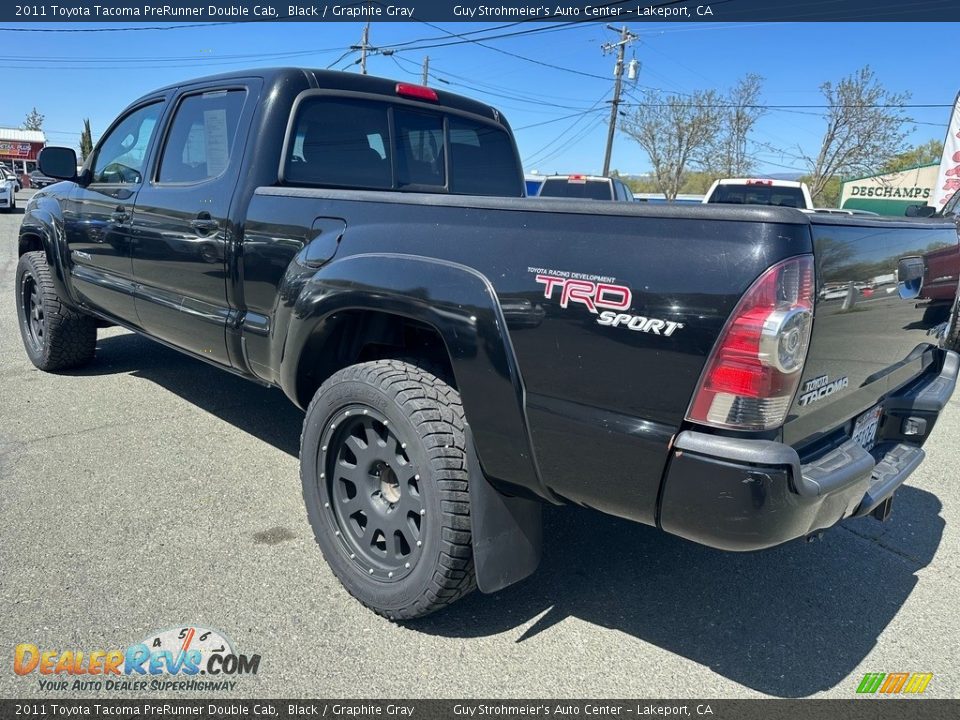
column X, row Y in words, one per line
column 370, row 571
column 337, row 533
column 323, row 449
column 419, row 543
column 326, row 505
column 352, row 555
column 389, row 574
column 416, row 477
column 403, row 446
column 365, row 412
column 423, row 512
column 322, row 475
column 407, row 565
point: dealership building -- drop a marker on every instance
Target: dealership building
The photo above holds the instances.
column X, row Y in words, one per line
column 19, row 148
column 892, row 193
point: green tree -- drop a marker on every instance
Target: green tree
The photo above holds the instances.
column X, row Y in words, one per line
column 33, row 121
column 86, row 140
column 729, row 157
column 925, row 154
column 830, row 193
column 866, row 124
column 676, row 132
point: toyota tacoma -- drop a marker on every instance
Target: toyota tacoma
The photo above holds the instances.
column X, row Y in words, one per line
column 464, row 354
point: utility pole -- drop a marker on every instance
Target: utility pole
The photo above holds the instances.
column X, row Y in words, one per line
column 620, row 47
column 364, row 46
column 426, row 71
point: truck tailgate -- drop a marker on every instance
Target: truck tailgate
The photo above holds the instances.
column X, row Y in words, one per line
column 867, row 340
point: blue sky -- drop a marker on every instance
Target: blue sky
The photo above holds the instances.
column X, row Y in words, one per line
column 69, row 76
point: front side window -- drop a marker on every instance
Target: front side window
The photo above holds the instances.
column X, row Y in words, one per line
column 122, row 153
column 201, row 137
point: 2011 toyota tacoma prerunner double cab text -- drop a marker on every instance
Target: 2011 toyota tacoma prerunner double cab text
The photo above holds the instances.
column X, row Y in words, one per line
column 465, row 354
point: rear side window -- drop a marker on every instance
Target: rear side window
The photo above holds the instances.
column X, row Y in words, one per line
column 758, row 195
column 340, row 143
column 368, row 144
column 201, row 137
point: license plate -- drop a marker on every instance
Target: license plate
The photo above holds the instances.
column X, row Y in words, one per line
column 865, row 428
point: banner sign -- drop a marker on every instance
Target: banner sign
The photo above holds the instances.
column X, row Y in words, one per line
column 948, row 176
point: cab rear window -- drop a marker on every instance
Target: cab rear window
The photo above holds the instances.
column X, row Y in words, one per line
column 583, row 189
column 758, row 195
column 368, row 144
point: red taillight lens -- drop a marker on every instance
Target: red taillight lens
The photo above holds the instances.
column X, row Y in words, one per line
column 417, row 91
column 752, row 374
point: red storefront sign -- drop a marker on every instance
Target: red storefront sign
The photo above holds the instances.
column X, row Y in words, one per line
column 15, row 150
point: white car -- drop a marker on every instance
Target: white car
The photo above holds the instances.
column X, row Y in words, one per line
column 8, row 194
column 760, row 191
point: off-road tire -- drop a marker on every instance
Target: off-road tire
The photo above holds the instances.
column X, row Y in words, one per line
column 68, row 338
column 426, row 414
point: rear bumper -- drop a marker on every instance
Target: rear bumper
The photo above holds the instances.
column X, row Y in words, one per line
column 741, row 494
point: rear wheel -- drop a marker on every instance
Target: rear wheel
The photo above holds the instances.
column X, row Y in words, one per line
column 384, row 472
column 55, row 336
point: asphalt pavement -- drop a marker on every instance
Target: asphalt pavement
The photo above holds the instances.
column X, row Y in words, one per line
column 151, row 491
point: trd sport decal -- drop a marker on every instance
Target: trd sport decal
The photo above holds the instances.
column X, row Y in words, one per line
column 601, row 296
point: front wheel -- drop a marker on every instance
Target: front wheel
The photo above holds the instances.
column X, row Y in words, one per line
column 384, row 472
column 55, row 336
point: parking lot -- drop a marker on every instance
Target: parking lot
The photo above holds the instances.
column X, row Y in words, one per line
column 149, row 491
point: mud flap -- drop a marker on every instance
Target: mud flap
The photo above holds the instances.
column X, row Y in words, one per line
column 507, row 531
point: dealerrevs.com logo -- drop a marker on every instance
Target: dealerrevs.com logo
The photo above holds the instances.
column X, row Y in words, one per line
column 894, row 683
column 183, row 658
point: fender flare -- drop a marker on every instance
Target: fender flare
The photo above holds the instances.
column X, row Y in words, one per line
column 44, row 219
column 462, row 306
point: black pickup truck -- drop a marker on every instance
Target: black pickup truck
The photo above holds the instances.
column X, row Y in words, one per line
column 464, row 353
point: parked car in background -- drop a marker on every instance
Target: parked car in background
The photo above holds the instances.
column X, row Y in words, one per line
column 844, row 211
column 585, row 187
column 10, row 175
column 750, row 191
column 39, row 180
column 533, row 184
column 8, row 193
column 660, row 199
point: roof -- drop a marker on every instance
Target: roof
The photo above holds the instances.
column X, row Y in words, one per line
column 764, row 181
column 575, row 176
column 35, row 136
column 275, row 77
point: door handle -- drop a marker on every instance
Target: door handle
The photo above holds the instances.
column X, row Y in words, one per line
column 120, row 215
column 204, row 224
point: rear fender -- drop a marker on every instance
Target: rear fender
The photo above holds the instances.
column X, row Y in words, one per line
column 460, row 304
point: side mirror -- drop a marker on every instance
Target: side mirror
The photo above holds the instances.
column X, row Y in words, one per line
column 920, row 211
column 909, row 277
column 58, row 162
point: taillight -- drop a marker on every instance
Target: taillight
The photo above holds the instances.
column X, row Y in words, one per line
column 755, row 367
